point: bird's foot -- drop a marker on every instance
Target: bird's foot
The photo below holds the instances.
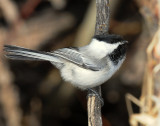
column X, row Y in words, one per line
column 95, row 93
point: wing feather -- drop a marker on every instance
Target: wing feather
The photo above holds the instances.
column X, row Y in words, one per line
column 69, row 54
column 76, row 57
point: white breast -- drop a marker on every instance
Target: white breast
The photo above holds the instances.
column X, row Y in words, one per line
column 84, row 78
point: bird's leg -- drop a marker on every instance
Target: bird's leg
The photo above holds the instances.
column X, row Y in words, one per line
column 95, row 94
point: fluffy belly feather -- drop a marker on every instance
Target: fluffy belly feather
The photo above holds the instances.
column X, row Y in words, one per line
column 84, row 78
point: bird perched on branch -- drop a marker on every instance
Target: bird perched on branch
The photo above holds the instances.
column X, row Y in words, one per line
column 85, row 67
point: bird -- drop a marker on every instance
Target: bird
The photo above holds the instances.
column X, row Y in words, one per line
column 84, row 67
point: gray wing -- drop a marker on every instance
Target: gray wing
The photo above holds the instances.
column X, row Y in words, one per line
column 73, row 55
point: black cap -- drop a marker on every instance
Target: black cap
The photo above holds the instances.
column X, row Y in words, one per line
column 109, row 38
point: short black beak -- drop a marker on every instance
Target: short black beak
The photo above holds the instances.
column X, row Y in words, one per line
column 126, row 42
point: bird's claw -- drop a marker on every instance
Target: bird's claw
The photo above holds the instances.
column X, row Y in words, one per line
column 94, row 93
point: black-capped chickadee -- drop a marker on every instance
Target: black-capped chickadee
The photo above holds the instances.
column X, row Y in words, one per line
column 85, row 67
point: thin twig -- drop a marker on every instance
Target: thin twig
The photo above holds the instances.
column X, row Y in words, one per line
column 10, row 11
column 102, row 17
column 101, row 28
column 94, row 108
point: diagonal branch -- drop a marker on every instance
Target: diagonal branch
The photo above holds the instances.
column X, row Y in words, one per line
column 102, row 17
column 101, row 28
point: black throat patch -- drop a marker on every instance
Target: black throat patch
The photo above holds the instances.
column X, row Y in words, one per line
column 118, row 54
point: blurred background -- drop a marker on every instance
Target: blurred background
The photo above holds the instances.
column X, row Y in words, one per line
column 32, row 93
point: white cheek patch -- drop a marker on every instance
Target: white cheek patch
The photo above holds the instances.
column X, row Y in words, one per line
column 101, row 49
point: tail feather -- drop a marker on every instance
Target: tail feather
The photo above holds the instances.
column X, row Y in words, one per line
column 18, row 57
column 19, row 53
